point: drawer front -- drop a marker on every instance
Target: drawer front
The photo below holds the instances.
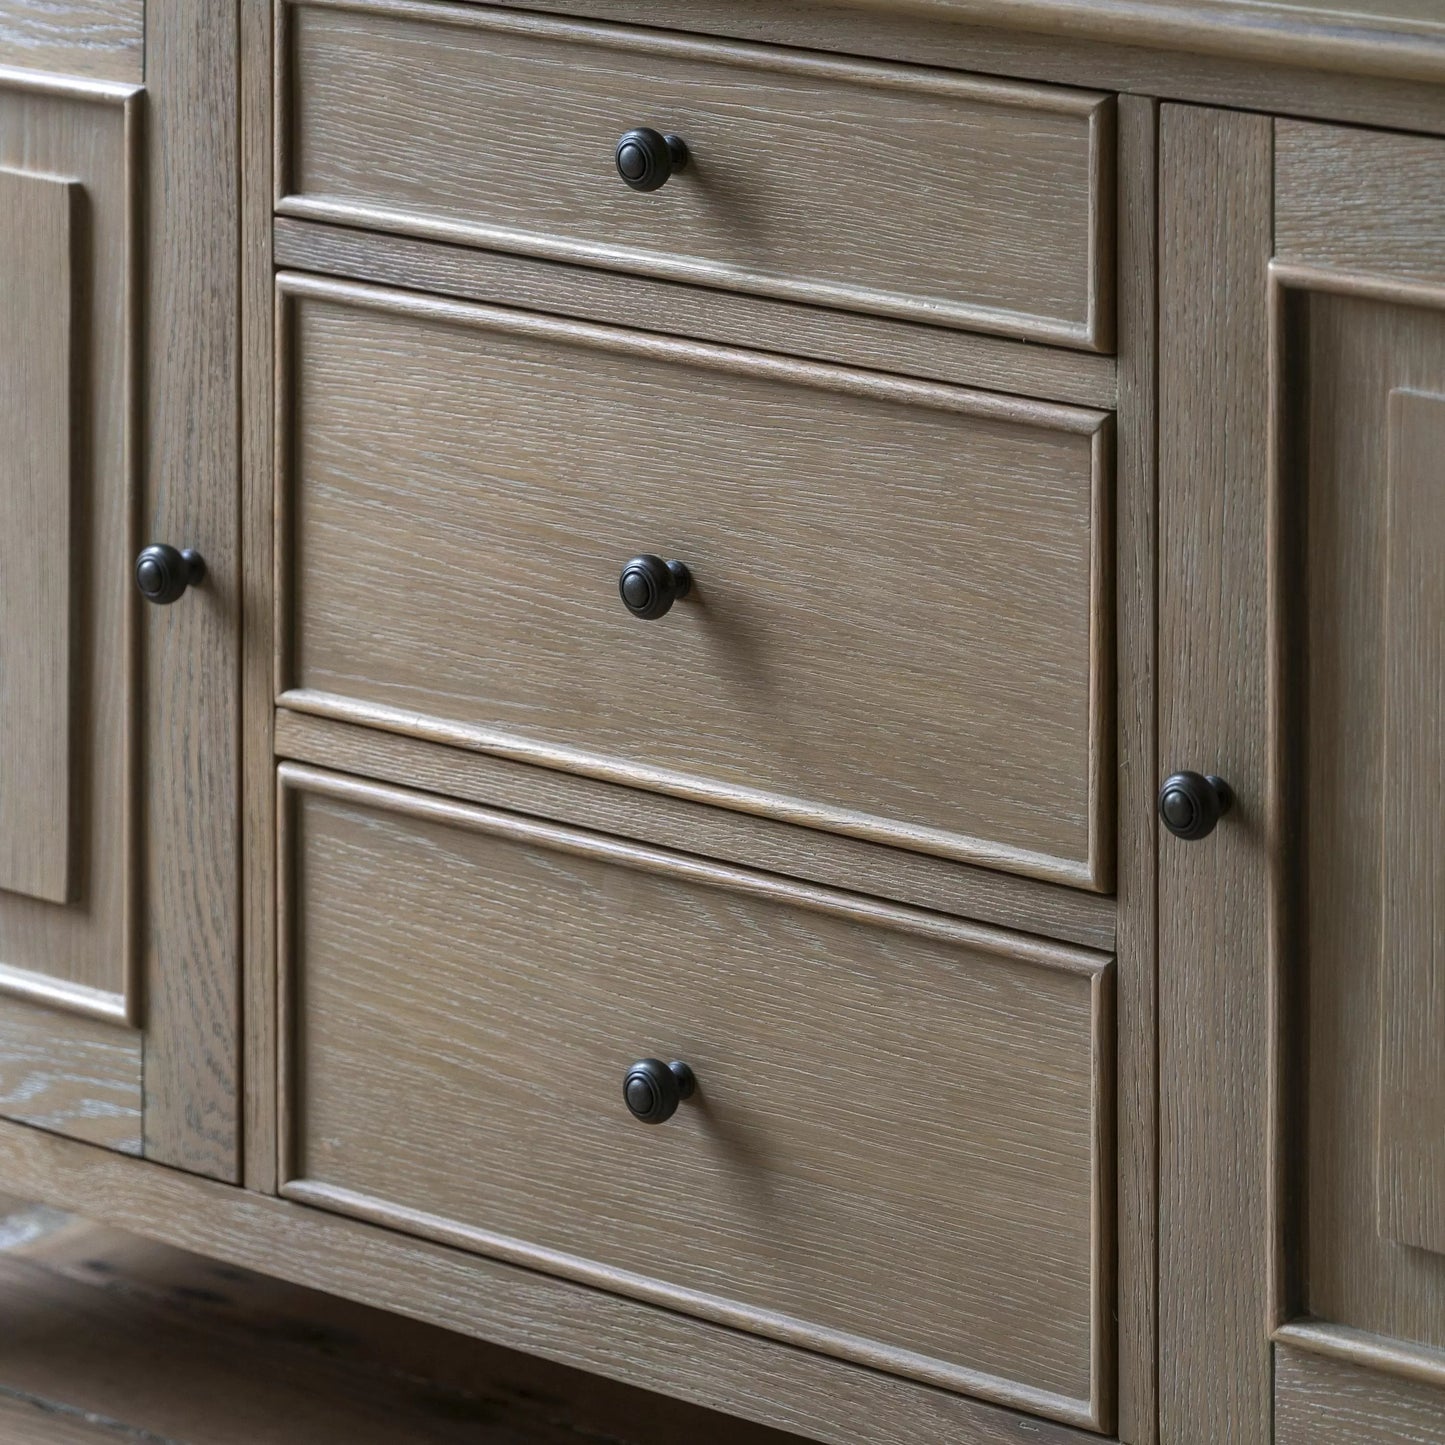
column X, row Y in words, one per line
column 898, row 625
column 894, row 190
column 898, row 1148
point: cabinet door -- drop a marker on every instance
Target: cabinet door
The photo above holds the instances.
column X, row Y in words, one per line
column 118, row 969
column 1302, row 658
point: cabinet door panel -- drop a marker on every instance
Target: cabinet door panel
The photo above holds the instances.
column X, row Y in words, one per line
column 1302, row 644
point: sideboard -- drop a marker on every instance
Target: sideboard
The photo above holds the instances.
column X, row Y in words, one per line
column 749, row 696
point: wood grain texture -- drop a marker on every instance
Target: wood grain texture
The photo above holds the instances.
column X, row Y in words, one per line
column 1215, row 896
column 934, row 353
column 1367, row 984
column 77, row 955
column 70, row 1075
column 103, row 39
column 423, row 1067
column 986, row 895
column 157, row 1344
column 829, row 517
column 190, row 761
column 801, row 185
column 907, row 33
column 1360, row 201
column 1318, row 1400
column 36, row 377
column 723, row 1369
column 1411, row 1177
column 258, row 621
column 1137, row 769
column 1377, row 1354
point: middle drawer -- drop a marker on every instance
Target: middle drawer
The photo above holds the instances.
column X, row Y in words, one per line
column 898, row 628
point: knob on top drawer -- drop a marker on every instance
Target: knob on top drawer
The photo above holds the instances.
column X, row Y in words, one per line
column 781, row 174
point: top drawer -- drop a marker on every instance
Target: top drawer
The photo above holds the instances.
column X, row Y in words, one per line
column 889, row 189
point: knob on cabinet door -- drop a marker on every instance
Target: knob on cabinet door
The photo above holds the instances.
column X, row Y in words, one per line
column 1190, row 804
column 162, row 574
column 646, row 158
column 652, row 1090
column 649, row 586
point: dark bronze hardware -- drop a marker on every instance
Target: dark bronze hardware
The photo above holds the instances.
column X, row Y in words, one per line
column 162, row 574
column 649, row 586
column 652, row 1090
column 1190, row 804
column 646, row 158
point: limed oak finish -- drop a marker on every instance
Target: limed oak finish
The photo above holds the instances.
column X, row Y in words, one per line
column 803, row 179
column 466, row 990
column 1044, row 398
column 468, row 590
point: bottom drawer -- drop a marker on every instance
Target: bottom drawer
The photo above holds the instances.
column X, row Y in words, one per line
column 898, row 1150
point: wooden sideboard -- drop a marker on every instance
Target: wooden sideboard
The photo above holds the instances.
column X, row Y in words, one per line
column 752, row 698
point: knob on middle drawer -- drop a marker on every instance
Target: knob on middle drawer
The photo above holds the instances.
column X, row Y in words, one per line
column 646, row 158
column 649, row 586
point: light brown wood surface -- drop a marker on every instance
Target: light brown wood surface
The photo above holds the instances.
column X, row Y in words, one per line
column 1412, row 943
column 985, row 895
column 1319, row 1400
column 940, row 681
column 122, row 1339
column 1361, row 201
column 1137, row 769
column 1216, row 1238
column 788, row 328
column 258, row 621
column 37, row 313
column 1401, row 38
column 189, row 760
column 883, row 1094
column 71, row 1075
column 65, row 934
column 1112, row 60
column 103, row 39
column 1369, row 929
column 918, row 194
column 606, row 1334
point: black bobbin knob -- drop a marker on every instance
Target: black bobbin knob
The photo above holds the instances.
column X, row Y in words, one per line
column 646, row 158
column 652, row 1090
column 1190, row 804
column 649, row 586
column 162, row 574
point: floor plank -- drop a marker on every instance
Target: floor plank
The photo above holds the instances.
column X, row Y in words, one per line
column 112, row 1338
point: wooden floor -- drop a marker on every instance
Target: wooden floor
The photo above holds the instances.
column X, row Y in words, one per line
column 109, row 1340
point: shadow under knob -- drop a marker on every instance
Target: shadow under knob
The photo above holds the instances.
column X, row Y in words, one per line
column 649, row 586
column 1190, row 804
column 652, row 1090
column 162, row 574
column 646, row 158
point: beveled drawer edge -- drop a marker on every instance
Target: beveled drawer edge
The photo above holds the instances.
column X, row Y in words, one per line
column 716, row 1309
column 1093, row 871
column 989, row 896
column 1097, row 968
column 1095, row 332
column 760, row 323
column 499, row 743
column 734, row 360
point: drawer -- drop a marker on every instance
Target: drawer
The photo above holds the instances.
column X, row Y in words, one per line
column 895, row 190
column 898, row 1151
column 898, row 627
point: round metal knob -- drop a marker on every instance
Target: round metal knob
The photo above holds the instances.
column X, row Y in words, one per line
column 162, row 574
column 646, row 158
column 652, row 1090
column 649, row 586
column 1190, row 804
